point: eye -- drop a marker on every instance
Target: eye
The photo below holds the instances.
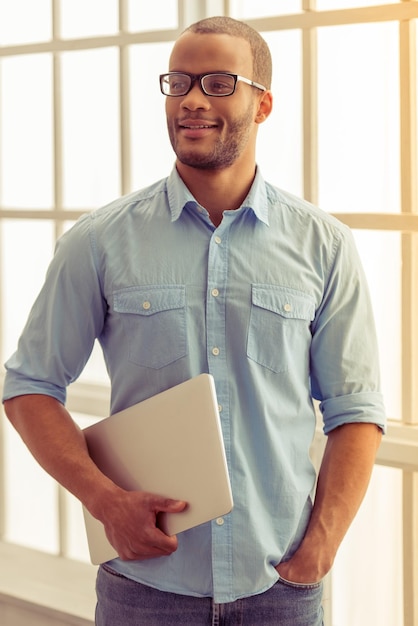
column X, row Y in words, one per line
column 219, row 84
column 178, row 83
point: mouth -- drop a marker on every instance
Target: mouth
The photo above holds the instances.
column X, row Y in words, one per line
column 196, row 128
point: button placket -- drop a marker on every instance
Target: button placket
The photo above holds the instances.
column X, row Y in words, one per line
column 216, row 356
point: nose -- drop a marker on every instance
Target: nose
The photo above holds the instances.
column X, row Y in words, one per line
column 195, row 99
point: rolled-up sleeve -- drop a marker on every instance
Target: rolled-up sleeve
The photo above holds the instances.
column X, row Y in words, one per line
column 344, row 352
column 65, row 319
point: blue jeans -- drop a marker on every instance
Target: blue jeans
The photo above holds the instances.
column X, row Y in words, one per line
column 124, row 602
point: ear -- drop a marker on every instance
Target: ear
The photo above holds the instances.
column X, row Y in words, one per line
column 265, row 106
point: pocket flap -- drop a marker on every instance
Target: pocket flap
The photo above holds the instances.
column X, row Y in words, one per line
column 287, row 302
column 150, row 299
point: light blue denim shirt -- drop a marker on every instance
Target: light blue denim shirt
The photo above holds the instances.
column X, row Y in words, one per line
column 273, row 303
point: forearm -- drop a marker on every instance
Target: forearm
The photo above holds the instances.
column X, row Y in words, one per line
column 342, row 483
column 58, row 444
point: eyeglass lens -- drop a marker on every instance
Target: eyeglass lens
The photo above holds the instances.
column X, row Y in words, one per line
column 212, row 84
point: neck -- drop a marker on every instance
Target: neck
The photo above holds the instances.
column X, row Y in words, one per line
column 217, row 190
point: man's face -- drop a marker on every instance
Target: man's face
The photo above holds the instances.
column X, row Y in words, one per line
column 209, row 132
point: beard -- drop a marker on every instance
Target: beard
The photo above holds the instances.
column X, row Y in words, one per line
column 223, row 153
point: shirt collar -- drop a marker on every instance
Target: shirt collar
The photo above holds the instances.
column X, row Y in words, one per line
column 257, row 198
column 179, row 196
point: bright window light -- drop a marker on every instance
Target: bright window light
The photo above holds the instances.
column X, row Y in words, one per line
column 26, row 141
column 360, row 601
column 90, row 97
column 31, row 497
column 358, row 126
column 26, row 247
column 88, row 18
column 155, row 15
column 24, row 21
column 152, row 155
column 281, row 159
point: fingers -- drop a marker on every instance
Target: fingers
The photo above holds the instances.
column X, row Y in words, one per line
column 131, row 525
column 142, row 551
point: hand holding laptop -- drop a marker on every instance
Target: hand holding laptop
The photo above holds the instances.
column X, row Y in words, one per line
column 131, row 524
column 170, row 444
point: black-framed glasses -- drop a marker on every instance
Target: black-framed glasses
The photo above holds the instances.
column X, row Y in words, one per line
column 212, row 83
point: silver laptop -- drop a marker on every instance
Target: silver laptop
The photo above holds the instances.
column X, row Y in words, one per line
column 170, row 444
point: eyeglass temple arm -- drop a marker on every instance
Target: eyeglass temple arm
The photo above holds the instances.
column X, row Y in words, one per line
column 251, row 82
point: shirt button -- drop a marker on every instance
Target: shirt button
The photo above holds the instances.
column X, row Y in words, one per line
column 146, row 305
column 215, row 293
column 215, row 351
column 220, row 407
column 218, row 239
column 220, row 521
column 287, row 307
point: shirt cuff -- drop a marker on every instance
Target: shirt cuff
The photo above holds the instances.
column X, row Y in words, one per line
column 365, row 407
column 16, row 385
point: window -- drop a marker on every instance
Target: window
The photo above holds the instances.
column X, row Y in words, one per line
column 75, row 132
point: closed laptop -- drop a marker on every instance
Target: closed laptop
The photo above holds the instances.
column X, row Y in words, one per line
column 170, row 444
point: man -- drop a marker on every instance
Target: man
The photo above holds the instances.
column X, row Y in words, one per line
column 213, row 270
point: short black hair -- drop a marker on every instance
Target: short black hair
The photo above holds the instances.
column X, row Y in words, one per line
column 262, row 63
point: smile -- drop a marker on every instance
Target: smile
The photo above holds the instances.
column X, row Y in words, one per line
column 190, row 123
column 196, row 126
column 194, row 130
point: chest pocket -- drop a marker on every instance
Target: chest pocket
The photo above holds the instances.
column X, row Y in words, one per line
column 154, row 319
column 279, row 326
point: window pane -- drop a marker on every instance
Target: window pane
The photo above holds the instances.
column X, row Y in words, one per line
column 152, row 155
column 26, row 248
column 31, row 497
column 155, row 15
column 322, row 5
column 367, row 575
column 381, row 256
column 358, row 126
column 90, row 128
column 88, row 18
column 26, row 166
column 279, row 147
column 24, row 21
column 262, row 8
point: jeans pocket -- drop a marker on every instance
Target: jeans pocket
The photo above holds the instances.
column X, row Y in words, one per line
column 279, row 325
column 301, row 586
column 154, row 318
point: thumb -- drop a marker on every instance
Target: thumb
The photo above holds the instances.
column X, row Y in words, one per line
column 167, row 505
